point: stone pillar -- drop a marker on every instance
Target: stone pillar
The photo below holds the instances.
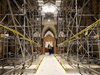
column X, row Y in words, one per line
column 43, row 46
column 55, row 46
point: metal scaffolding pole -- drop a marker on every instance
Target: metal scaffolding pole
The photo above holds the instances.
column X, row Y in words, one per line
column 83, row 46
column 24, row 26
column 77, row 32
column 15, row 27
column 19, row 19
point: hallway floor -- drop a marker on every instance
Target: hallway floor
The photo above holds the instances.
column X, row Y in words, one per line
column 50, row 66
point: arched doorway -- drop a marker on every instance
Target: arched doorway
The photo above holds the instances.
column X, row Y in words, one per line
column 49, row 39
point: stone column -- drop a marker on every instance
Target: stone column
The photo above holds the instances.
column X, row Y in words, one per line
column 43, row 46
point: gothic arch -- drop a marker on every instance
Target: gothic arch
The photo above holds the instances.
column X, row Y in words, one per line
column 49, row 33
column 49, row 28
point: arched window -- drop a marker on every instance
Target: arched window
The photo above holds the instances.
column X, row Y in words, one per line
column 61, row 34
column 36, row 34
column 49, row 33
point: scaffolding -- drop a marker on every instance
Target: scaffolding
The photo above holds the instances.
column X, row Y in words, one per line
column 25, row 18
column 83, row 50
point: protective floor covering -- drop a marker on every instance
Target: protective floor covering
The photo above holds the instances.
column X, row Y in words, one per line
column 50, row 66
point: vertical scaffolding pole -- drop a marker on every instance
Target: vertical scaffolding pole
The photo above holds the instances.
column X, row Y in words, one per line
column 3, row 52
column 98, row 40
column 24, row 26
column 66, row 19
column 12, row 15
column 77, row 32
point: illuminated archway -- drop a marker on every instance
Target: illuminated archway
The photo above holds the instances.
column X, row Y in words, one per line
column 49, row 33
column 61, row 34
column 36, row 34
column 49, row 28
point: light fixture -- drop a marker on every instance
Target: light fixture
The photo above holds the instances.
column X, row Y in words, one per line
column 49, row 8
column 58, row 1
column 40, row 2
column 37, row 18
column 48, row 20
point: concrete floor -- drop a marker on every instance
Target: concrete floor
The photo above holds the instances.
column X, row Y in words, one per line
column 50, row 66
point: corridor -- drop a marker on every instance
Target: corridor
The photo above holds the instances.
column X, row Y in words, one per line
column 50, row 66
column 30, row 30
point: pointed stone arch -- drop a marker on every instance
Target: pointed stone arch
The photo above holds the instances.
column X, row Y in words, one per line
column 49, row 33
column 36, row 34
column 49, row 28
column 61, row 34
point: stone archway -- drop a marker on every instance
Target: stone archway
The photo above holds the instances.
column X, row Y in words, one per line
column 51, row 28
column 49, row 36
column 49, row 33
column 48, row 39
